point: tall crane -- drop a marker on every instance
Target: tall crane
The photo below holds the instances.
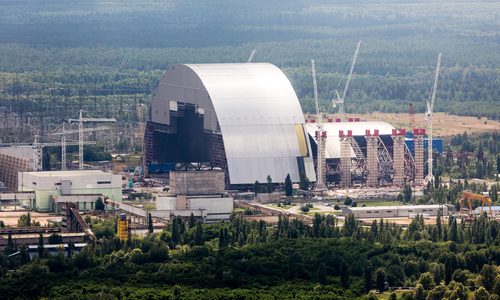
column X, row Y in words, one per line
column 429, row 114
column 80, row 122
column 38, row 159
column 341, row 98
column 320, row 137
column 65, row 132
column 251, row 56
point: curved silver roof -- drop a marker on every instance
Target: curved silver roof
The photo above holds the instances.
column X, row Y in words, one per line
column 255, row 108
column 357, row 128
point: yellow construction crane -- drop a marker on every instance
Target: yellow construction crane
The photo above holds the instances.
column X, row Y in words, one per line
column 470, row 197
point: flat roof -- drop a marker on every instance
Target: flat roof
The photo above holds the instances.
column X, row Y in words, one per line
column 52, row 246
column 67, row 173
column 395, row 207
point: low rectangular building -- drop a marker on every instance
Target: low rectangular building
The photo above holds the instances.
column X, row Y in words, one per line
column 80, row 187
column 210, row 207
column 403, row 211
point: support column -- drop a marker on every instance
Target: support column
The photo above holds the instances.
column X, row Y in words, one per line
column 418, row 152
column 372, row 158
column 345, row 159
column 321, row 163
column 398, row 155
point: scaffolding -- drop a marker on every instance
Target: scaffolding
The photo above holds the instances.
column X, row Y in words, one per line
column 418, row 135
column 345, row 159
column 398, row 155
column 372, row 145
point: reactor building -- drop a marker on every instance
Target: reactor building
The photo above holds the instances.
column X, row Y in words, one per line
column 243, row 118
column 246, row 120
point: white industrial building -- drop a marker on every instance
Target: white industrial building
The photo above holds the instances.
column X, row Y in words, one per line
column 210, row 208
column 403, row 211
column 82, row 187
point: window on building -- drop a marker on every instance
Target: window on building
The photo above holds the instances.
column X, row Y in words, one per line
column 104, row 182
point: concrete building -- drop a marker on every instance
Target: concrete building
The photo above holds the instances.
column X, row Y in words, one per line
column 82, row 187
column 403, row 211
column 14, row 159
column 200, row 193
column 242, row 118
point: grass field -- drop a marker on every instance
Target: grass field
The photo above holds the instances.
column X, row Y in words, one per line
column 444, row 125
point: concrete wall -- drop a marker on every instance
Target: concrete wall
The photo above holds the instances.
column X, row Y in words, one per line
column 9, row 167
column 197, row 182
column 268, row 198
column 217, row 208
column 166, row 203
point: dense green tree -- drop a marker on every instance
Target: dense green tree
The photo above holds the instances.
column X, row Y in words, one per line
column 269, row 184
column 380, row 279
column 41, row 250
column 419, row 292
column 481, row 294
column 407, row 193
column 256, row 187
column 24, row 220
column 199, row 235
column 488, row 274
column 99, row 204
column 304, row 182
column 192, row 221
column 426, row 280
column 150, row 223
column 368, row 277
column 321, row 273
column 288, row 186
column 55, row 239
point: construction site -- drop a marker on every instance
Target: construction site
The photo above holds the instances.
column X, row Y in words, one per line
column 213, row 132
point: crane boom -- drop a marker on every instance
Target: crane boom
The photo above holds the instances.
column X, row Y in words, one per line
column 320, row 137
column 251, row 56
column 430, row 115
column 355, row 56
column 315, row 89
column 341, row 98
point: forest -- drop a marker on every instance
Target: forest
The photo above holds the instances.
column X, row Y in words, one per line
column 253, row 260
column 106, row 57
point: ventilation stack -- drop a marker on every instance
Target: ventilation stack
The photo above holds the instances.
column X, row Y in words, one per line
column 345, row 158
column 418, row 136
column 372, row 157
column 398, row 155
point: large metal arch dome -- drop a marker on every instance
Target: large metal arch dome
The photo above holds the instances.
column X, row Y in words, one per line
column 255, row 109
